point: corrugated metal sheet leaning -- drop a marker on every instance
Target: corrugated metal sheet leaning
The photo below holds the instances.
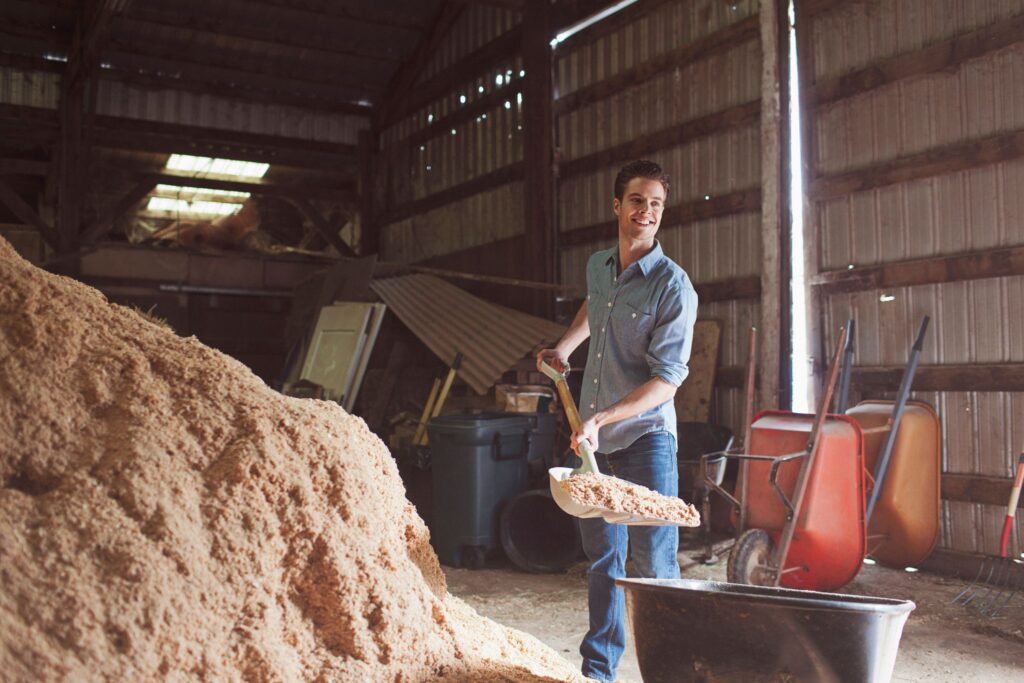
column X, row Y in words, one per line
column 448, row 319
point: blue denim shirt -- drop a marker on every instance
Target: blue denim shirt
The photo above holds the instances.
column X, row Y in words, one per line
column 641, row 326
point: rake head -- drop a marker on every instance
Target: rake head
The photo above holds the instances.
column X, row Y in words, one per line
column 997, row 581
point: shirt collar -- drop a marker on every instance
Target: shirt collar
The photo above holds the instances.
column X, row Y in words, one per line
column 645, row 264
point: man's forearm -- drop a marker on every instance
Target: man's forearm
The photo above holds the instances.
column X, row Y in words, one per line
column 650, row 394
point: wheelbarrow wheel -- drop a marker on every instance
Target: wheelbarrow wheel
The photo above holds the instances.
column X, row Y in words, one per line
column 750, row 560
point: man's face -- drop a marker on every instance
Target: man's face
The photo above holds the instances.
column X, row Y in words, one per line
column 640, row 210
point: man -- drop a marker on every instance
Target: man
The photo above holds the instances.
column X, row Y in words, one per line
column 639, row 313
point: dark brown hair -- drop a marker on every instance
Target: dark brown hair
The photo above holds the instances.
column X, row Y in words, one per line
column 641, row 168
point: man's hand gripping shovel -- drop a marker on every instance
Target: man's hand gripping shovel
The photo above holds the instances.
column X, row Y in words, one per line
column 559, row 474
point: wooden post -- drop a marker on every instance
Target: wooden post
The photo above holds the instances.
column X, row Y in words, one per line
column 538, row 150
column 369, row 235
column 70, row 180
column 772, row 284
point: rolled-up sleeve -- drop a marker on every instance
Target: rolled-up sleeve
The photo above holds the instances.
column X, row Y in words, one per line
column 669, row 352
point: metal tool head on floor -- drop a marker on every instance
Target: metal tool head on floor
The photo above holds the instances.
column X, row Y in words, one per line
column 556, row 475
column 998, row 579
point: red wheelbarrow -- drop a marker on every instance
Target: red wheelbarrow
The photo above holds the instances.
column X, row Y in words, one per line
column 804, row 498
column 800, row 504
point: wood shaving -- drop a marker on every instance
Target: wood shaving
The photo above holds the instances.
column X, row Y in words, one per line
column 619, row 495
column 167, row 516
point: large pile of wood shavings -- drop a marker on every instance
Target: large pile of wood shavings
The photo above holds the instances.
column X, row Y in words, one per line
column 165, row 515
column 619, row 495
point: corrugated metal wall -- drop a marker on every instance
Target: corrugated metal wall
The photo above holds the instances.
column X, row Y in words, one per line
column 717, row 249
column 959, row 211
column 29, row 88
column 477, row 26
column 423, row 160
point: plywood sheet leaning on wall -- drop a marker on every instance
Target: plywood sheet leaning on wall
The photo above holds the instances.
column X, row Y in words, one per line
column 168, row 516
column 693, row 400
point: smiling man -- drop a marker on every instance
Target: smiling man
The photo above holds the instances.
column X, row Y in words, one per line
column 639, row 314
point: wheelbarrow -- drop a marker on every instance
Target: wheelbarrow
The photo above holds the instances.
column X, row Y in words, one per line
column 902, row 458
column 801, row 493
column 685, row 630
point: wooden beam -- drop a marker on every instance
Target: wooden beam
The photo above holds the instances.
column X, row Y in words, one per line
column 937, row 57
column 383, row 15
column 970, row 377
column 103, row 224
column 26, row 214
column 704, row 126
column 24, row 167
column 256, row 186
column 477, row 185
column 977, row 488
column 479, row 63
column 268, row 34
column 773, row 288
column 156, row 136
column 324, row 227
column 510, row 5
column 233, row 92
column 729, row 290
column 715, row 43
column 538, row 152
column 741, row 201
column 161, row 75
column 31, row 63
column 169, row 138
column 977, row 265
column 391, row 108
column 230, row 63
column 91, row 33
column 568, row 14
column 960, row 156
column 233, row 79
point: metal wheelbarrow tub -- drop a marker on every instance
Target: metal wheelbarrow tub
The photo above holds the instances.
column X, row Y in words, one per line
column 686, row 630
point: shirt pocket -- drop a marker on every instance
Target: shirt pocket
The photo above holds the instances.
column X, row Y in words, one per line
column 633, row 325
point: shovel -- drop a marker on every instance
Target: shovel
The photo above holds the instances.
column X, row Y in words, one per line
column 559, row 474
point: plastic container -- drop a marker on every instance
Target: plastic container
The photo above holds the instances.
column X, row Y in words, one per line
column 478, row 462
column 543, row 428
column 905, row 525
column 687, row 630
column 536, row 535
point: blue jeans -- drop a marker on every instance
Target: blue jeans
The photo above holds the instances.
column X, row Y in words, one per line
column 650, row 461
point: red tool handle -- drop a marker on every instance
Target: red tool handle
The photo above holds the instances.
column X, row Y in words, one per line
column 1011, row 509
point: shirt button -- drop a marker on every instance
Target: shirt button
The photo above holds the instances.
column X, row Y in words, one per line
column 595, row 380
column 602, row 329
column 634, row 315
column 598, row 355
column 609, row 304
column 591, row 406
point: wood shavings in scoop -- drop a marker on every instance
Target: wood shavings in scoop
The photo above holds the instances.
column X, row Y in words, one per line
column 164, row 515
column 619, row 495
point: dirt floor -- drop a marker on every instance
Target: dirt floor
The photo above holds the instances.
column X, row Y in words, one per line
column 941, row 641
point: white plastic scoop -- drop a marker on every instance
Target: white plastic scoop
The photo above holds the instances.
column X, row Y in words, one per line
column 559, row 474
